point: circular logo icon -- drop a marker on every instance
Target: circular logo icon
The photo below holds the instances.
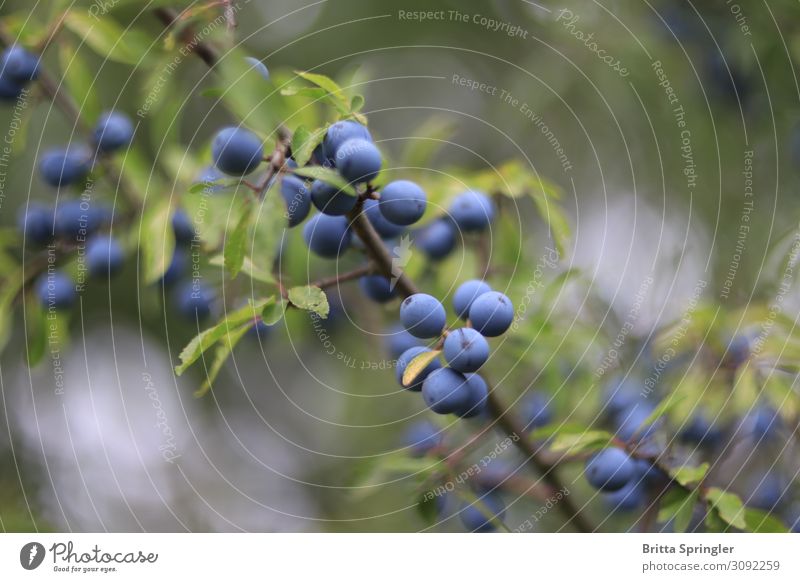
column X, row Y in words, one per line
column 31, row 555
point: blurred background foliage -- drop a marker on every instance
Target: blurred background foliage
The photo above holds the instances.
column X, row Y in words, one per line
column 623, row 191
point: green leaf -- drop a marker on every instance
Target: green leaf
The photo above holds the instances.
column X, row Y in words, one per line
column 321, row 81
column 10, row 288
column 108, row 39
column 556, row 220
column 429, row 137
column 157, row 240
column 245, row 94
column 80, row 81
column 356, row 103
column 728, row 506
column 248, row 268
column 315, row 93
column 269, row 228
column 214, row 215
column 339, row 99
column 663, row 408
column 326, row 175
column 36, row 331
column 389, row 467
column 310, row 298
column 206, row 339
column 687, row 476
column 758, row 521
column 546, row 432
column 677, row 506
column 224, row 348
column 427, row 508
column 137, row 172
column 304, row 141
column 235, row 243
column 714, row 523
column 415, row 366
column 581, row 442
column 213, row 188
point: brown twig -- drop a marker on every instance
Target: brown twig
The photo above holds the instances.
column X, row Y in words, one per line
column 378, row 251
column 344, row 277
column 204, row 51
column 510, row 426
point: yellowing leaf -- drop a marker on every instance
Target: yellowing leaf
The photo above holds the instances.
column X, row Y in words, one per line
column 415, row 367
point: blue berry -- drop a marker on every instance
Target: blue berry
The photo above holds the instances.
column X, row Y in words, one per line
column 19, row 65
column 738, row 351
column 620, row 395
column 403, row 361
column 65, row 166
column 382, row 226
column 465, row 350
column 610, row 469
column 330, row 200
column 358, row 160
column 491, row 313
column 536, row 411
column 298, row 199
column 472, row 210
column 445, row 391
column 36, row 224
column 437, row 239
column 77, row 219
column 699, row 431
column 259, row 67
column 479, row 516
column 423, row 315
column 402, row 202
column 768, row 492
column 337, row 134
column 466, row 293
column 193, row 300
column 236, row 151
column 55, row 290
column 104, row 256
column 422, row 437
column 182, row 227
column 478, row 394
column 399, row 340
column 378, row 288
column 327, row 236
column 10, row 90
column 651, row 475
column 176, row 269
column 212, row 177
column 113, row 131
column 727, row 80
column 630, row 497
column 630, row 423
column 793, row 517
column 764, row 422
